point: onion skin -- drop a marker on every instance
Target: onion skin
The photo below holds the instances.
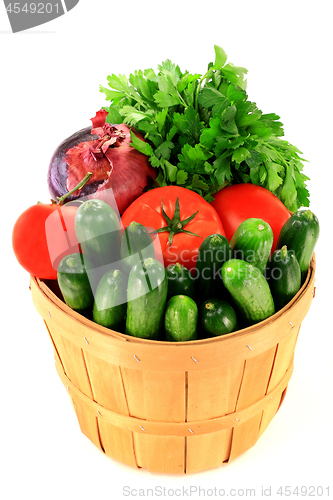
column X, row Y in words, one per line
column 120, row 172
column 57, row 173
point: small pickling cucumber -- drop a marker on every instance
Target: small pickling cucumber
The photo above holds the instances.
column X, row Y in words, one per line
column 283, row 274
column 252, row 241
column 181, row 319
column 213, row 252
column 180, row 281
column 249, row 290
column 300, row 233
column 110, row 305
column 98, row 231
column 147, row 291
column 136, row 245
column 217, row 317
column 74, row 283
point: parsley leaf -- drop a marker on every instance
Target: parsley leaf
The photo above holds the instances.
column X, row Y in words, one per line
column 213, row 98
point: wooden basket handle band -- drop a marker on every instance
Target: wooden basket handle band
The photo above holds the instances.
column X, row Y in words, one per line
column 141, row 354
column 194, row 428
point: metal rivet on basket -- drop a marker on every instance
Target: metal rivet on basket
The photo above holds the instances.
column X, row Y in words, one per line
column 194, row 359
column 99, row 413
column 237, row 419
column 272, row 397
column 249, row 347
column 290, row 323
column 48, row 312
column 314, row 292
column 190, row 430
column 86, row 340
column 136, row 358
column 142, row 428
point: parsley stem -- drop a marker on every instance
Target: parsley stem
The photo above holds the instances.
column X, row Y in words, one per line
column 197, row 90
column 196, row 94
column 182, row 100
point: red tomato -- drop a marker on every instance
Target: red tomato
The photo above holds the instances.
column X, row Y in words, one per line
column 236, row 203
column 147, row 210
column 42, row 236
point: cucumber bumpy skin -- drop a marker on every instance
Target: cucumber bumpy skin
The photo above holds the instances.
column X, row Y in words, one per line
column 213, row 252
column 217, row 317
column 136, row 245
column 74, row 283
column 252, row 241
column 98, row 231
column 110, row 306
column 146, row 299
column 181, row 319
column 283, row 274
column 180, row 281
column 249, row 290
column 300, row 233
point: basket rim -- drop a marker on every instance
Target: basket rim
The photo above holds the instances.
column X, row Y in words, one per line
column 58, row 303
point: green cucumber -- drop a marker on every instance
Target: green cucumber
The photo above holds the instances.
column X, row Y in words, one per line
column 249, row 290
column 213, row 252
column 110, row 305
column 147, row 291
column 98, row 231
column 283, row 274
column 180, row 281
column 181, row 319
column 217, row 317
column 300, row 233
column 136, row 245
column 252, row 241
column 75, row 284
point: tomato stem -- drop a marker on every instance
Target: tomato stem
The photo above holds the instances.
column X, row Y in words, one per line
column 175, row 225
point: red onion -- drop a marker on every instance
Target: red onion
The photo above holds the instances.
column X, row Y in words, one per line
column 105, row 151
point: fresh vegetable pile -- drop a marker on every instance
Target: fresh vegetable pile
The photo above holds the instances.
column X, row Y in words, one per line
column 186, row 226
column 202, row 131
column 122, row 283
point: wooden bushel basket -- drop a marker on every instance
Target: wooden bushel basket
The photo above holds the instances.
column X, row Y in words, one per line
column 173, row 407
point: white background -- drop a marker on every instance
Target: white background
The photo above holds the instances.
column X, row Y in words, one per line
column 49, row 88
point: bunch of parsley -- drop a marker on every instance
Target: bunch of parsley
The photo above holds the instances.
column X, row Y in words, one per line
column 202, row 132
